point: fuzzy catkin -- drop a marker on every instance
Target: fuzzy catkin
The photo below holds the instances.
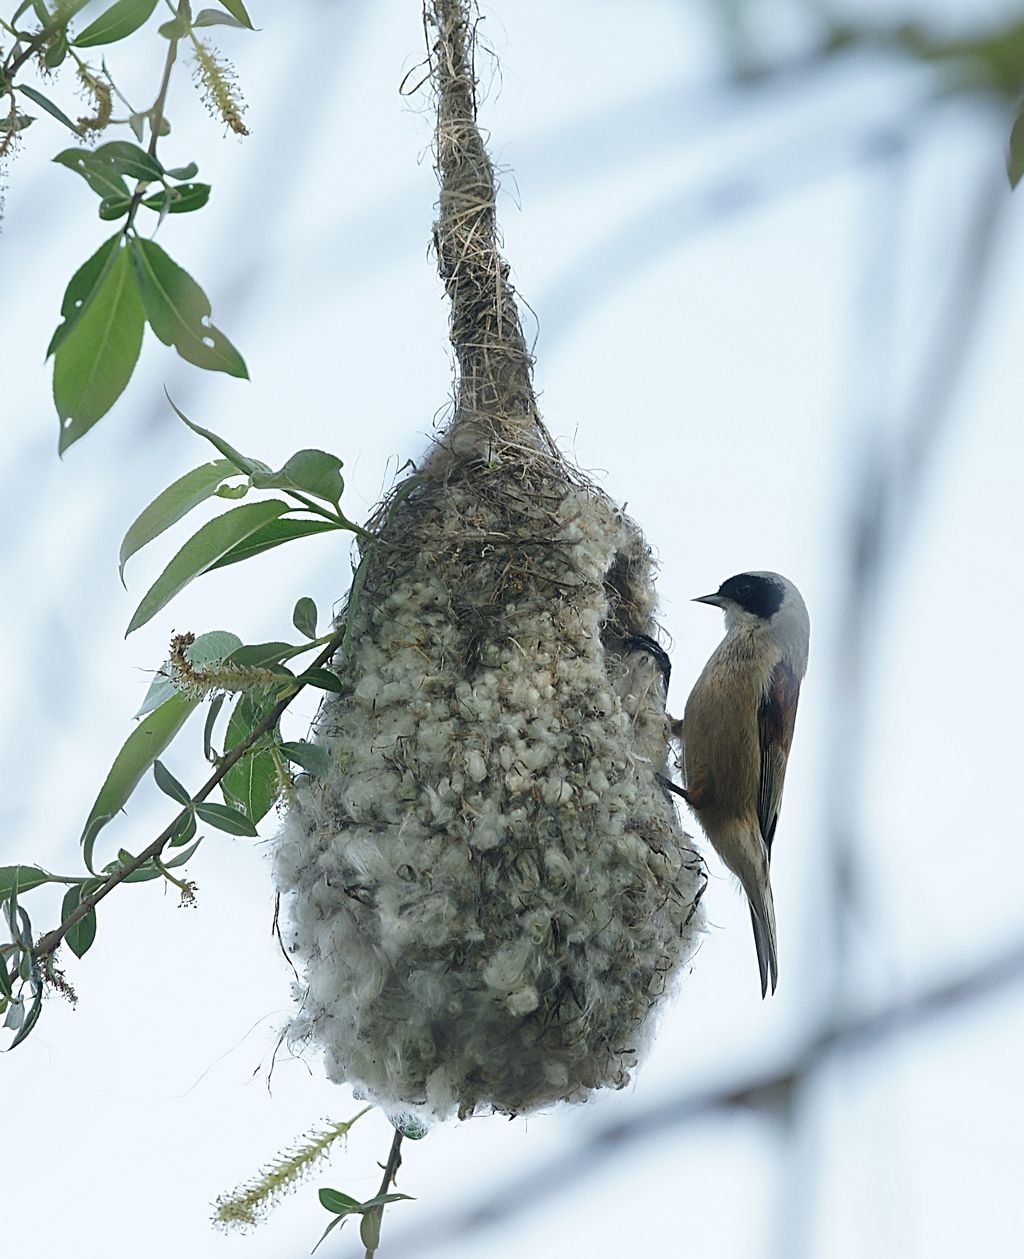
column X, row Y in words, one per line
column 490, row 893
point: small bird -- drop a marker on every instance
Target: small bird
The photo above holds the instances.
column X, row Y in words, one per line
column 736, row 732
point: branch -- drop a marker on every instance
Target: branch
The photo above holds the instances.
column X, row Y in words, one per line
column 390, row 1172
column 49, row 942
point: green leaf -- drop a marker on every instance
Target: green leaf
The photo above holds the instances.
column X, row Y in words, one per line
column 137, row 754
column 201, row 553
column 225, row 818
column 79, row 939
column 176, row 28
column 181, row 199
column 274, row 534
column 26, row 877
column 369, row 1230
column 169, row 785
column 95, row 360
column 56, row 54
column 179, row 311
column 304, row 616
column 214, row 17
column 183, row 172
column 216, row 704
column 114, row 208
column 31, row 1019
column 171, row 504
column 255, row 655
column 210, row 648
column 118, row 22
column 339, row 1203
column 83, row 287
column 382, row 1199
column 185, row 856
column 125, row 158
column 253, row 783
column 242, row 462
column 311, row 471
column 183, row 832
column 313, row 758
column 322, row 678
column 44, row 102
column 338, row 1220
column 237, row 9
column 98, row 174
column 1015, row 160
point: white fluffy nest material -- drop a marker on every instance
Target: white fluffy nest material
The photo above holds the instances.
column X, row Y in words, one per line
column 490, row 893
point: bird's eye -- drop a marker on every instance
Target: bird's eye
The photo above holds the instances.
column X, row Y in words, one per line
column 745, row 587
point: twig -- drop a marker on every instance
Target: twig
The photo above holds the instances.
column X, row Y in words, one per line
column 49, row 942
column 390, row 1172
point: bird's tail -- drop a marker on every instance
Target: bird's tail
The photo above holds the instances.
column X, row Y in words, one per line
column 762, row 916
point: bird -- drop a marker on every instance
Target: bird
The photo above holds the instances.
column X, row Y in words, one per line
column 736, row 733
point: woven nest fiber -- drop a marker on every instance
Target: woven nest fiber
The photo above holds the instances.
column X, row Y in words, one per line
column 490, row 892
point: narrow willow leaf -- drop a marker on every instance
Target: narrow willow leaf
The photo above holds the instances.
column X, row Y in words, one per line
column 56, row 54
column 183, row 172
column 125, row 158
column 369, row 1230
column 112, row 208
column 44, row 102
column 313, row 758
column 214, row 17
column 181, row 199
column 338, row 1220
column 171, row 504
column 98, row 174
column 187, row 855
column 26, row 877
column 183, row 832
column 216, row 704
column 118, row 22
column 274, row 534
column 138, row 753
column 254, row 655
column 31, row 1019
column 179, row 311
column 208, row 649
column 80, row 937
column 322, row 678
column 311, row 471
column 201, row 553
column 242, row 462
column 94, row 361
column 1015, row 160
column 339, row 1203
column 169, row 785
column 253, row 784
column 237, row 9
column 225, row 818
column 304, row 616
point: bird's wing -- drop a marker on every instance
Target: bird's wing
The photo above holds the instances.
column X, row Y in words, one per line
column 776, row 719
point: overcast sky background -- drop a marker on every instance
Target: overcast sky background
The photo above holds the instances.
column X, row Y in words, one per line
column 741, row 297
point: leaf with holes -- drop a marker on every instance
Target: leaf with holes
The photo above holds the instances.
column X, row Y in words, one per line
column 95, row 359
column 178, row 311
column 98, row 174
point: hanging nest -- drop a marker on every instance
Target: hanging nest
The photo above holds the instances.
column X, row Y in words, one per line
column 490, row 892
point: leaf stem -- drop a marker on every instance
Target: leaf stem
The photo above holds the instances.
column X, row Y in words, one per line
column 46, row 945
column 390, row 1172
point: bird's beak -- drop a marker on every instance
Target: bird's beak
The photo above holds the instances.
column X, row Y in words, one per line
column 715, row 600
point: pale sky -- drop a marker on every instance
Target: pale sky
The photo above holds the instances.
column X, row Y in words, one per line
column 737, row 296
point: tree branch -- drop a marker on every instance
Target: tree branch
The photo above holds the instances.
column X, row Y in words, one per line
column 49, row 942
